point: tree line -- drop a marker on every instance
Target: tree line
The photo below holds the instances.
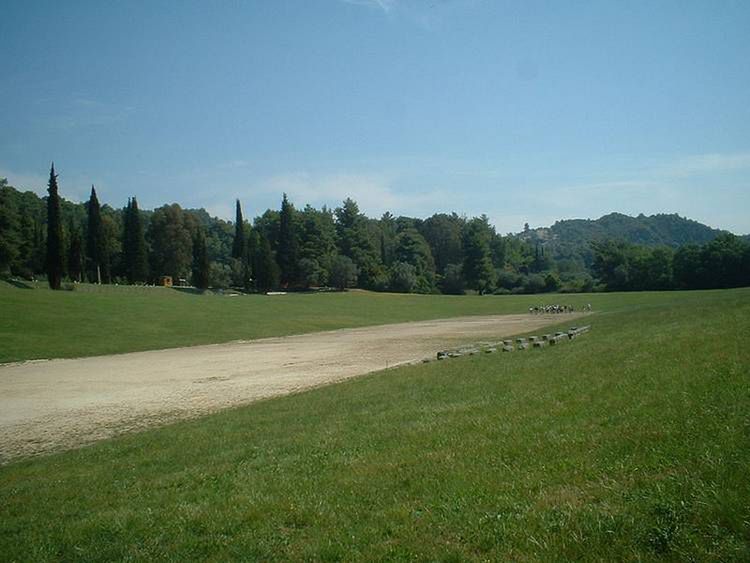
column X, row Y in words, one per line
column 721, row 263
column 286, row 248
column 293, row 248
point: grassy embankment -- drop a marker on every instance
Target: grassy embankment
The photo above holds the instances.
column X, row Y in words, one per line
column 632, row 442
column 93, row 320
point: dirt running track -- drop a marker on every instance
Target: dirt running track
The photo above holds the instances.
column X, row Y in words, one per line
column 53, row 405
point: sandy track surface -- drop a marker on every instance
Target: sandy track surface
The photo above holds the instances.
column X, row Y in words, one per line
column 53, row 405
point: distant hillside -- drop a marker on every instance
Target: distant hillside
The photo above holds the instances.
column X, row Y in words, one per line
column 567, row 242
column 662, row 229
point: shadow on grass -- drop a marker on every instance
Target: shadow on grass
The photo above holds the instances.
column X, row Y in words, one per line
column 18, row 283
column 189, row 290
column 197, row 291
column 238, row 291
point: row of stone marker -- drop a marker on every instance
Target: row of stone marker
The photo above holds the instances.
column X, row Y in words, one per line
column 521, row 343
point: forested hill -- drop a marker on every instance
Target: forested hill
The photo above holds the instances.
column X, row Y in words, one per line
column 654, row 230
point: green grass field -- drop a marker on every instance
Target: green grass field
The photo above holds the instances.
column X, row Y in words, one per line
column 629, row 443
column 93, row 320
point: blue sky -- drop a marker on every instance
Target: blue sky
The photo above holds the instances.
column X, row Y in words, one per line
column 526, row 111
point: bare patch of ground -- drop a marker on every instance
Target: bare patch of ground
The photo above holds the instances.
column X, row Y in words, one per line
column 53, row 405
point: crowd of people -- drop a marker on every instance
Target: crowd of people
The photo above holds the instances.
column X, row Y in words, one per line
column 554, row 309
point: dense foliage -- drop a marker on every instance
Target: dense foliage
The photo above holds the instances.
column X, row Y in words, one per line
column 294, row 248
column 722, row 263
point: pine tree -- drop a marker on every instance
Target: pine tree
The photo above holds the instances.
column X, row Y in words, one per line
column 478, row 269
column 200, row 261
column 239, row 246
column 355, row 241
column 54, row 233
column 286, row 255
column 96, row 245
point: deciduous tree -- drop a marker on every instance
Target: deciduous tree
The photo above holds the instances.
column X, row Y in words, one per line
column 9, row 228
column 201, row 266
column 171, row 242
column 75, row 254
column 343, row 272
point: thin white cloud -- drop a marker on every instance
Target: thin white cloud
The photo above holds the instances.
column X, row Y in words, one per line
column 222, row 209
column 233, row 164
column 385, row 5
column 429, row 15
column 703, row 187
column 707, row 164
column 713, row 188
column 82, row 111
column 25, row 181
column 508, row 199
column 72, row 188
column 374, row 194
column 600, row 187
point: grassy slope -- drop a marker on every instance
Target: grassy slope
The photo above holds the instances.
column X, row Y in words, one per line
column 94, row 320
column 632, row 442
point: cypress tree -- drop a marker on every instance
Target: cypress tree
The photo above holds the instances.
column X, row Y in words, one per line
column 127, row 244
column 134, row 244
column 140, row 266
column 286, row 255
column 127, row 235
column 239, row 246
column 200, row 260
column 54, row 233
column 95, row 242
